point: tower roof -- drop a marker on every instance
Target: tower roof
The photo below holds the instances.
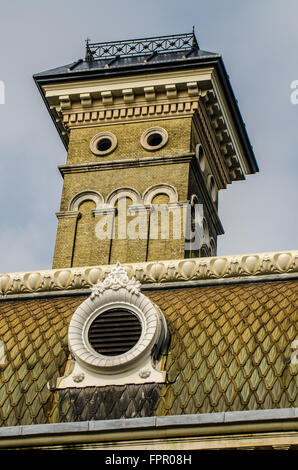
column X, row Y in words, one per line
column 148, row 56
column 112, row 56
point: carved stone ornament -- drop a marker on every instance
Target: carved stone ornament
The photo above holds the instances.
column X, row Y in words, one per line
column 117, row 279
column 144, row 373
column 78, row 378
column 142, row 360
column 282, row 264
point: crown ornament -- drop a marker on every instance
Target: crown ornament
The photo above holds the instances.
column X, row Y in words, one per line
column 117, row 279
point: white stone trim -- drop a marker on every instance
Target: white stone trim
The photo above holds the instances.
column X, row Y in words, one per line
column 90, row 309
column 103, row 135
column 157, row 189
column 184, row 86
column 67, row 214
column 154, row 130
column 125, row 192
column 90, row 368
column 194, row 200
column 234, row 267
column 85, row 196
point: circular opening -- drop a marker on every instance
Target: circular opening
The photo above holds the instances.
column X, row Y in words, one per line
column 212, row 187
column 200, row 156
column 114, row 332
column 104, row 144
column 154, row 139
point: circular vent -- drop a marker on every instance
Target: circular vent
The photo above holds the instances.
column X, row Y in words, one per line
column 154, row 138
column 114, row 332
column 103, row 143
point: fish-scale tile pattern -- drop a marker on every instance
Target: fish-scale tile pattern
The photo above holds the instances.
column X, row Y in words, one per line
column 34, row 333
column 230, row 349
column 110, row 402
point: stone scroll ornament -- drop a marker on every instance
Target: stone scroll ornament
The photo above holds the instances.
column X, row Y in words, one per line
column 116, row 280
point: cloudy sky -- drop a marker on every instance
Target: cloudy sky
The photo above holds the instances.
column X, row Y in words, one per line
column 258, row 40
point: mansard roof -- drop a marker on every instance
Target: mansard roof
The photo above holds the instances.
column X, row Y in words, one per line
column 230, row 350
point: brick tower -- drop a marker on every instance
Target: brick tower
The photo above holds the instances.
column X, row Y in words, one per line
column 148, row 124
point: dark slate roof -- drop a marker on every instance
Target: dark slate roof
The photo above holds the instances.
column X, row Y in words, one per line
column 230, row 350
column 107, row 65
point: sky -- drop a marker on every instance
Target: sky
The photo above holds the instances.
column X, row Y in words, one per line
column 258, row 41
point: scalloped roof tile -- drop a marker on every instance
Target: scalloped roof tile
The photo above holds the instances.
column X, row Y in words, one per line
column 224, row 355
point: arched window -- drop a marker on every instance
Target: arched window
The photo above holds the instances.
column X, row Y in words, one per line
column 77, row 200
column 157, row 189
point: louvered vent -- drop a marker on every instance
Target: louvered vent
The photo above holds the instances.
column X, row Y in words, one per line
column 114, row 332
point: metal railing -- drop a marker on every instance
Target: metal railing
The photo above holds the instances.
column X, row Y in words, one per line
column 137, row 47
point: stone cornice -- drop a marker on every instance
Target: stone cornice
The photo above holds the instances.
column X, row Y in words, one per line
column 156, row 273
column 68, row 214
column 126, row 163
column 96, row 115
column 217, row 161
column 136, row 83
column 165, row 95
column 224, row 142
column 206, row 199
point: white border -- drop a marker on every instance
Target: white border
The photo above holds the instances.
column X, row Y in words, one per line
column 102, row 135
column 147, row 312
column 154, row 130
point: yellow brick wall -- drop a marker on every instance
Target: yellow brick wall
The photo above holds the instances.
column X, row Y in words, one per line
column 86, row 243
column 139, row 178
column 161, row 248
column 87, row 248
column 66, row 234
column 128, row 137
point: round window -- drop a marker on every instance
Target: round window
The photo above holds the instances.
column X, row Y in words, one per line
column 103, row 143
column 117, row 328
column 212, row 187
column 114, row 332
column 154, row 138
column 200, row 156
